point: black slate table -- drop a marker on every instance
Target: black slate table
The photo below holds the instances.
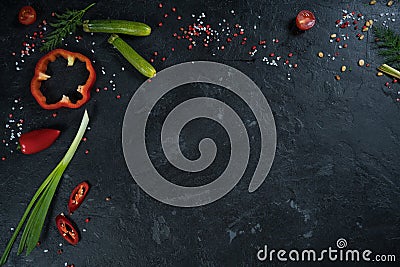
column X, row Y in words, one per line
column 336, row 170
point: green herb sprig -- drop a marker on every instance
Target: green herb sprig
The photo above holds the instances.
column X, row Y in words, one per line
column 389, row 44
column 66, row 23
column 41, row 201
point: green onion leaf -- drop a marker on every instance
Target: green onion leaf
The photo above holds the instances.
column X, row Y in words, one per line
column 389, row 71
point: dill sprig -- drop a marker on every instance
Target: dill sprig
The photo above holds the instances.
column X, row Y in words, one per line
column 66, row 23
column 389, row 44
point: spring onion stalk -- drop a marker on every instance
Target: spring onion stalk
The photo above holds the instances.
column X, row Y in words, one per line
column 389, row 71
column 41, row 201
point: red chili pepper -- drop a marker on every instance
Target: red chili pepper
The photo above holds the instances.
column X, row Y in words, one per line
column 37, row 140
column 40, row 75
column 67, row 229
column 77, row 196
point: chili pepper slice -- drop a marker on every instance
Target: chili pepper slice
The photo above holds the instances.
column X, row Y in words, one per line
column 37, row 140
column 77, row 196
column 67, row 229
column 40, row 76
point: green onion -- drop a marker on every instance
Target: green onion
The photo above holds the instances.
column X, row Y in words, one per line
column 389, row 71
column 41, row 201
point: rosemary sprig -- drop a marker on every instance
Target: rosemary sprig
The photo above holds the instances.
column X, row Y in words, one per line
column 66, row 23
column 389, row 43
column 41, row 201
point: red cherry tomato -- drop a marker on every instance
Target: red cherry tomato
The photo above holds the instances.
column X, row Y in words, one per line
column 305, row 20
column 37, row 140
column 27, row 15
column 77, row 196
column 67, row 230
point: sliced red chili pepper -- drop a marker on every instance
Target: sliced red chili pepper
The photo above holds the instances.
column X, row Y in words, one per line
column 37, row 140
column 77, row 196
column 67, row 229
column 40, row 75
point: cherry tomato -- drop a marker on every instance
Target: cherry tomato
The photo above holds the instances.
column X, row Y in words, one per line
column 27, row 15
column 37, row 140
column 67, row 229
column 77, row 196
column 305, row 20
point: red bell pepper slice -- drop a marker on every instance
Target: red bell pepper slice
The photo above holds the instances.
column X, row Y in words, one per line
column 37, row 140
column 67, row 229
column 40, row 75
column 77, row 196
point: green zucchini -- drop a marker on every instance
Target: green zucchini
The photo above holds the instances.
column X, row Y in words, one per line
column 132, row 56
column 117, row 26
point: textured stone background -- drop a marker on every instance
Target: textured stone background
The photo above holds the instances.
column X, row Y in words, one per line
column 335, row 175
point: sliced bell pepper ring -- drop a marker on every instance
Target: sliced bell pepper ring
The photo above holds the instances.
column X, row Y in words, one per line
column 40, row 76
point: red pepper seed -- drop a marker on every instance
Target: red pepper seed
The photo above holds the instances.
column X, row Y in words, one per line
column 172, row 49
column 394, row 80
column 160, row 24
column 235, row 35
column 228, row 40
column 387, row 84
column 3, row 158
column 54, row 114
column 87, row 151
column 179, row 17
column 151, row 60
column 295, row 65
column 173, row 9
column 155, row 53
column 253, row 47
column 272, row 55
column 59, row 251
column 190, row 47
column 118, row 96
column 290, row 55
column 165, row 15
column 87, row 220
column 160, row 5
column 163, row 59
column 84, row 139
column 338, row 39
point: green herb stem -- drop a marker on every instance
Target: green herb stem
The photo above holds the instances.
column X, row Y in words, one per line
column 42, row 199
column 66, row 23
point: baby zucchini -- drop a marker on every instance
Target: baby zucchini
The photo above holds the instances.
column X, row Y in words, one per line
column 132, row 56
column 117, row 26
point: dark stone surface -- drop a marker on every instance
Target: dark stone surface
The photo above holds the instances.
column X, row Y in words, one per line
column 336, row 171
